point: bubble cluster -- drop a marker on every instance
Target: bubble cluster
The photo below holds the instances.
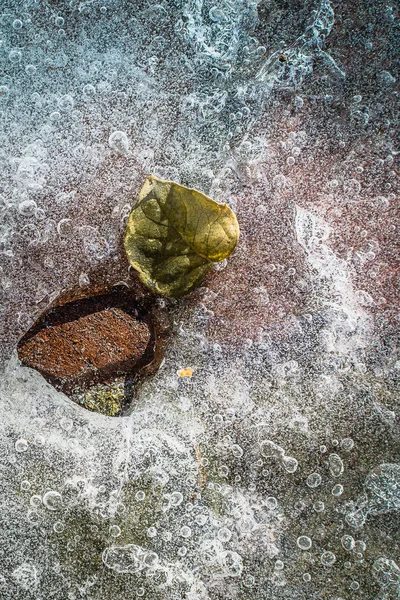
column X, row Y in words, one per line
column 26, row 576
column 271, row 450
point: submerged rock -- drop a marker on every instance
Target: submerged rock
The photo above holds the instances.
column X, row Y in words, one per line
column 87, row 348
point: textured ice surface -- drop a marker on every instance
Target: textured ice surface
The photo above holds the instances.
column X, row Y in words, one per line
column 273, row 472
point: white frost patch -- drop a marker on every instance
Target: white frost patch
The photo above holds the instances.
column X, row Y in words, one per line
column 350, row 324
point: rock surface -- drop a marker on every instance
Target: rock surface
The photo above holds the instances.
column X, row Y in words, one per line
column 82, row 343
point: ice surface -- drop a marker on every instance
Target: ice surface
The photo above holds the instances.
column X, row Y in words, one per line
column 272, row 472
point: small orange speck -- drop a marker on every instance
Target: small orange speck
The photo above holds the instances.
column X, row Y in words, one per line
column 188, row 372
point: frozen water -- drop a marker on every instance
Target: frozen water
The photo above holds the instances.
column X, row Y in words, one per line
column 272, row 472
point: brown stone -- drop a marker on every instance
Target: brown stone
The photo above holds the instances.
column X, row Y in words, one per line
column 86, row 342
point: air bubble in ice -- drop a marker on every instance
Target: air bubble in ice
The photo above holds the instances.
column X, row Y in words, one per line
column 279, row 181
column 39, row 440
column 27, row 208
column 115, row 530
column 52, row 500
column 15, row 56
column 30, row 69
column 176, row 499
column 55, row 116
column 335, row 465
column 304, row 542
column 223, row 471
column 337, row 490
column 218, row 419
column 347, row 542
column 216, row 15
column 151, row 532
column 33, row 516
column 120, row 508
column 58, row 526
column 364, row 298
column 89, row 90
column 360, row 546
column 65, row 228
column 150, row 559
column 314, row 480
column 21, row 445
column 185, row 531
column 224, row 534
column 347, row 444
column 298, row 102
column 271, row 450
column 249, row 581
column 4, row 92
column 328, row 559
column 290, row 464
column 66, row 103
column 35, row 500
column 66, row 423
column 119, row 141
column 237, row 451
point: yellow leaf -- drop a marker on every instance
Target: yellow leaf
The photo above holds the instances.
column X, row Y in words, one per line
column 175, row 233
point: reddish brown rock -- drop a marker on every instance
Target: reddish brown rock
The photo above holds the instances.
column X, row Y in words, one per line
column 86, row 342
